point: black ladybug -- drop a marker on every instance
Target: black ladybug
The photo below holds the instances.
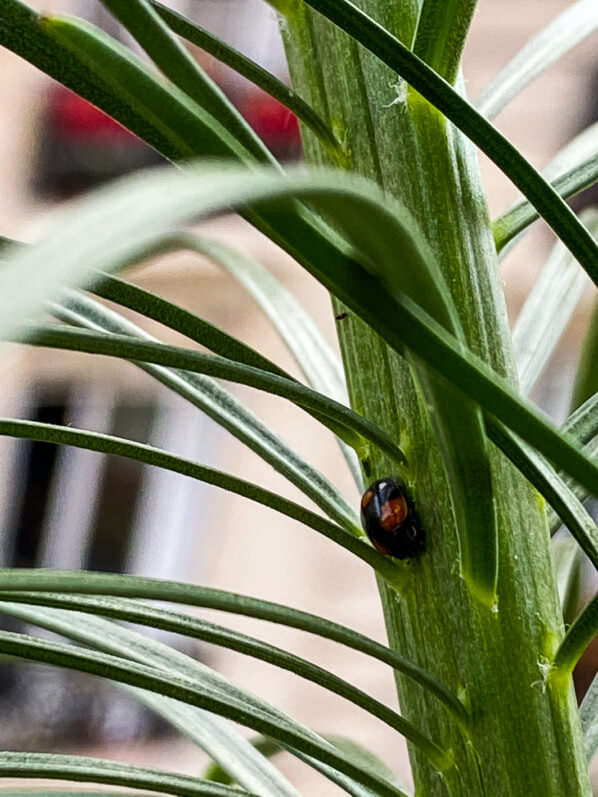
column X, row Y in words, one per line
column 390, row 521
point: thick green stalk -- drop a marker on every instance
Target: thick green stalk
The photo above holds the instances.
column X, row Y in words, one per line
column 524, row 739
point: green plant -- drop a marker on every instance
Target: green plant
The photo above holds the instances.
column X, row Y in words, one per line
column 394, row 223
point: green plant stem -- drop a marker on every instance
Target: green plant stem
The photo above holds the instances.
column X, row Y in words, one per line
column 524, row 740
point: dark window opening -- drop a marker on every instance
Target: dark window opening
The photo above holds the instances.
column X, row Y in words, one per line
column 37, row 478
column 119, row 494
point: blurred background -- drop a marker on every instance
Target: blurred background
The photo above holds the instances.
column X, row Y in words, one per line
column 65, row 508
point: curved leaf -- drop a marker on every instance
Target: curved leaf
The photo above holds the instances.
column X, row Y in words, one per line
column 581, row 425
column 138, row 88
column 157, row 114
column 212, row 733
column 93, row 441
column 580, row 492
column 574, row 24
column 194, row 628
column 89, row 583
column 549, row 484
column 338, row 418
column 192, row 326
column 320, row 365
column 548, row 309
column 575, row 642
column 154, row 36
column 52, row 766
column 222, row 407
column 522, row 214
column 53, row 793
column 402, row 323
column 301, row 336
column 185, row 690
column 292, row 663
column 440, row 94
column 269, row 748
column 253, row 72
column 6, row 244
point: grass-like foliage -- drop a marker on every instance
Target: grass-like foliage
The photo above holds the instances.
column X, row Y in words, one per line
column 401, row 238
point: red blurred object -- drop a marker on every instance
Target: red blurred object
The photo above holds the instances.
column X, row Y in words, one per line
column 275, row 125
column 71, row 116
column 81, row 146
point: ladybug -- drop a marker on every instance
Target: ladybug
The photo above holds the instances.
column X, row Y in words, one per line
column 390, row 521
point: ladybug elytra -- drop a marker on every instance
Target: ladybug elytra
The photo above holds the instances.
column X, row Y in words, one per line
column 390, row 521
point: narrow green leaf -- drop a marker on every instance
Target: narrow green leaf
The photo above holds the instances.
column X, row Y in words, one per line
column 339, row 419
column 522, row 214
column 582, row 425
column 150, row 305
column 580, row 492
column 170, row 197
column 154, row 36
column 585, row 385
column 360, row 753
column 499, row 149
column 571, row 574
column 579, row 150
column 266, row 747
column 93, row 441
column 88, row 583
column 589, row 719
column 572, row 26
column 222, row 407
column 185, row 690
column 549, row 484
column 52, row 766
column 220, row 740
column 235, row 754
column 135, row 612
column 319, row 364
column 155, row 113
column 548, row 309
column 215, row 735
column 256, row 74
column 576, row 640
column 279, row 658
column 270, row 749
column 127, row 76
column 441, row 34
